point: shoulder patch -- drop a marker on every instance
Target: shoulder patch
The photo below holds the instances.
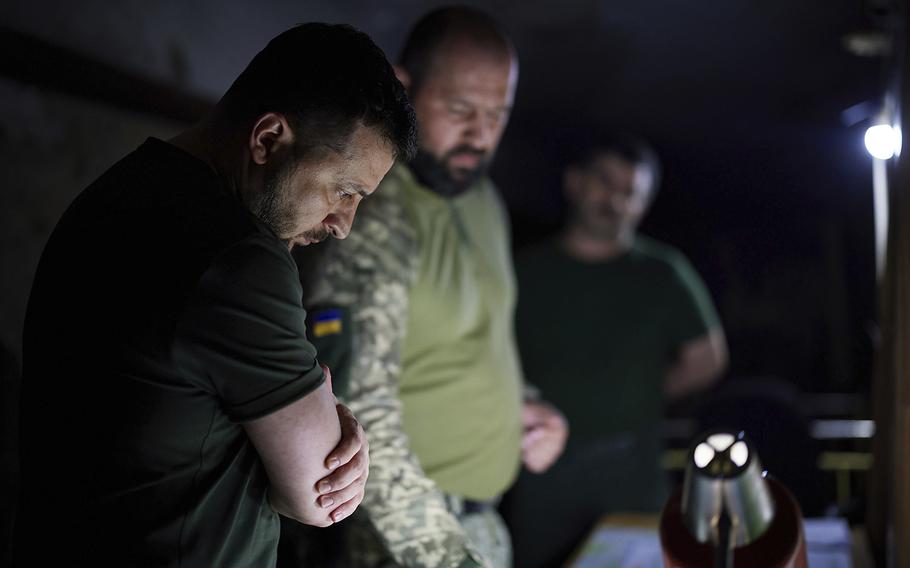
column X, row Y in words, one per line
column 327, row 322
column 329, row 330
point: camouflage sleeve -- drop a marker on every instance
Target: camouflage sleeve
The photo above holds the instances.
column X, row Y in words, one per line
column 370, row 274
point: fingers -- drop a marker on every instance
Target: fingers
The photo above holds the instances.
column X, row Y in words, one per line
column 537, row 413
column 352, row 439
column 350, row 462
column 531, row 436
column 530, row 414
column 345, row 509
column 540, row 457
column 543, row 444
column 343, row 476
column 344, row 495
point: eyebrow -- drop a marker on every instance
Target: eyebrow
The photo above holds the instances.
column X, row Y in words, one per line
column 356, row 188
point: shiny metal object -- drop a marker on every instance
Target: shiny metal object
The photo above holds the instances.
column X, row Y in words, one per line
column 723, row 474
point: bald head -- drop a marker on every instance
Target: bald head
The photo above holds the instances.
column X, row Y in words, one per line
column 460, row 72
column 455, row 29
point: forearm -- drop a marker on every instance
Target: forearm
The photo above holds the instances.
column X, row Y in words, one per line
column 700, row 363
column 293, row 444
column 405, row 507
column 681, row 380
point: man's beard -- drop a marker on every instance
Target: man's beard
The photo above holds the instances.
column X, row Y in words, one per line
column 434, row 173
column 275, row 206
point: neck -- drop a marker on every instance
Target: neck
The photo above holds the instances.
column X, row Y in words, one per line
column 582, row 245
column 198, row 142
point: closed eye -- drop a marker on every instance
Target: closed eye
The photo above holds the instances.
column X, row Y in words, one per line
column 349, row 191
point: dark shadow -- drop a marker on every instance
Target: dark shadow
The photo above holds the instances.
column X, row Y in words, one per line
column 9, row 450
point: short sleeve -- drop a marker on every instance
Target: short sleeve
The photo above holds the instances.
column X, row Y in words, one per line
column 242, row 334
column 693, row 312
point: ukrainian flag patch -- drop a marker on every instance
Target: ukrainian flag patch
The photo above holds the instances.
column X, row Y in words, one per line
column 327, row 322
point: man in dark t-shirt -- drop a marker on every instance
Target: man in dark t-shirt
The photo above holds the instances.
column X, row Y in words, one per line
column 171, row 403
column 610, row 324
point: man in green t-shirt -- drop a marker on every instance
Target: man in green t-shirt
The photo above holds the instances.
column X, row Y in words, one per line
column 422, row 293
column 172, row 405
column 610, row 324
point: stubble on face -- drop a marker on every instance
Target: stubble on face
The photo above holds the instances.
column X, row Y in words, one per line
column 274, row 205
column 306, row 200
column 462, row 106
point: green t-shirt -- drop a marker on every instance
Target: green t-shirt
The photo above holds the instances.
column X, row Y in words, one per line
column 162, row 317
column 460, row 376
column 598, row 339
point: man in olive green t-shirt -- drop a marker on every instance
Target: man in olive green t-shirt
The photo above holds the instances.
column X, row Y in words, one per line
column 610, row 324
column 423, row 293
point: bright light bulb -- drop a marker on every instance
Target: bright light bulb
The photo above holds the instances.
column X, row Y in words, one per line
column 882, row 141
column 703, row 455
column 739, row 453
column 721, row 442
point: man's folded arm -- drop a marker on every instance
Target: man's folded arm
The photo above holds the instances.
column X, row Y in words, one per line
column 242, row 338
column 293, row 443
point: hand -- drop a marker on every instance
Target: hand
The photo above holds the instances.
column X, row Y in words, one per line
column 545, row 433
column 350, row 461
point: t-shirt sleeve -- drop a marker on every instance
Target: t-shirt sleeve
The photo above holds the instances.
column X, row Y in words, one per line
column 242, row 334
column 692, row 311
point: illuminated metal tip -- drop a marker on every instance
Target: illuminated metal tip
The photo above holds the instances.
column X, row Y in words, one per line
column 739, row 453
column 721, row 442
column 882, row 141
column 703, row 455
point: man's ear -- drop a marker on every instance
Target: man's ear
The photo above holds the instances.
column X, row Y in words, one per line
column 403, row 77
column 270, row 134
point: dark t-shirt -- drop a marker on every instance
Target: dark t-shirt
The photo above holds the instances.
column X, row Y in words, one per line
column 598, row 339
column 162, row 317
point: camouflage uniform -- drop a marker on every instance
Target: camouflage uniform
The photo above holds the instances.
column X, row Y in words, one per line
column 404, row 519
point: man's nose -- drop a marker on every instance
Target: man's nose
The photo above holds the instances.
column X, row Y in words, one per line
column 341, row 221
column 615, row 200
column 481, row 131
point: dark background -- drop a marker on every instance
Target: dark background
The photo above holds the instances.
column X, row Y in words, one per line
column 767, row 187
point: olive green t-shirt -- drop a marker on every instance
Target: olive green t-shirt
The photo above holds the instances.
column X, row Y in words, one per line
column 460, row 376
column 162, row 317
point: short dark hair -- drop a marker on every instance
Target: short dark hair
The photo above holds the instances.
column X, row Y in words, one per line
column 326, row 80
column 629, row 148
column 442, row 24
